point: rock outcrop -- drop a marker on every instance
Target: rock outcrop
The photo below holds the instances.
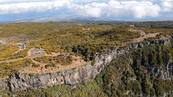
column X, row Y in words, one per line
column 164, row 73
column 86, row 73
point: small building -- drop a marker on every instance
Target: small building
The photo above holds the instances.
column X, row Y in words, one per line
column 22, row 46
column 37, row 52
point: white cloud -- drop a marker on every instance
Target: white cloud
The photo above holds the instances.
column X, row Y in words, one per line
column 20, row 1
column 144, row 8
column 138, row 9
column 31, row 6
column 90, row 8
column 167, row 5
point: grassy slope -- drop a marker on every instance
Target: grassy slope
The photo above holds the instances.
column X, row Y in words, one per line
column 61, row 37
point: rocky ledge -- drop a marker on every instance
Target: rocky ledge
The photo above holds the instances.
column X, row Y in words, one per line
column 86, row 73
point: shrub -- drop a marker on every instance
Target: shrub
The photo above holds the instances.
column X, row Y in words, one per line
column 35, row 65
column 50, row 65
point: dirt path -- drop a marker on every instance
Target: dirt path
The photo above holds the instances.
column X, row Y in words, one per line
column 78, row 62
column 29, row 52
column 18, row 59
column 142, row 37
column 38, row 63
column 41, row 69
column 12, row 60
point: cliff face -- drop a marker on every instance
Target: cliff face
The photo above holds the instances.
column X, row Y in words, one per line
column 157, row 60
column 144, row 71
column 164, row 72
column 86, row 73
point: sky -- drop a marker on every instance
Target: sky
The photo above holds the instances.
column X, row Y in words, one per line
column 42, row 10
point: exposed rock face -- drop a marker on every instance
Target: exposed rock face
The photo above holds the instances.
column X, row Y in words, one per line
column 164, row 73
column 3, row 84
column 88, row 72
column 23, row 81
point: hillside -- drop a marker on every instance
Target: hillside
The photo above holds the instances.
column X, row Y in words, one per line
column 114, row 60
column 57, row 43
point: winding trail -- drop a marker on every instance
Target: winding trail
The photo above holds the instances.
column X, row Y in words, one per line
column 142, row 37
column 79, row 62
column 12, row 60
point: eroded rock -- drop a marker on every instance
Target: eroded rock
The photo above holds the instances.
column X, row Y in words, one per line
column 84, row 74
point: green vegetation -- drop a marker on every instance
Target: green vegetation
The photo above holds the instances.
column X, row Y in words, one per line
column 78, row 39
column 63, row 59
column 89, row 90
column 7, row 69
column 153, row 56
column 155, row 24
column 126, row 76
column 146, row 58
column 6, row 51
column 57, row 36
column 50, row 65
column 35, row 65
column 59, row 59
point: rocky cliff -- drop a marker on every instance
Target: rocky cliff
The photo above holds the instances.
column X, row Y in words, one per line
column 86, row 73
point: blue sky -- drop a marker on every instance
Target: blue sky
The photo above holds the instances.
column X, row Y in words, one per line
column 42, row 10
